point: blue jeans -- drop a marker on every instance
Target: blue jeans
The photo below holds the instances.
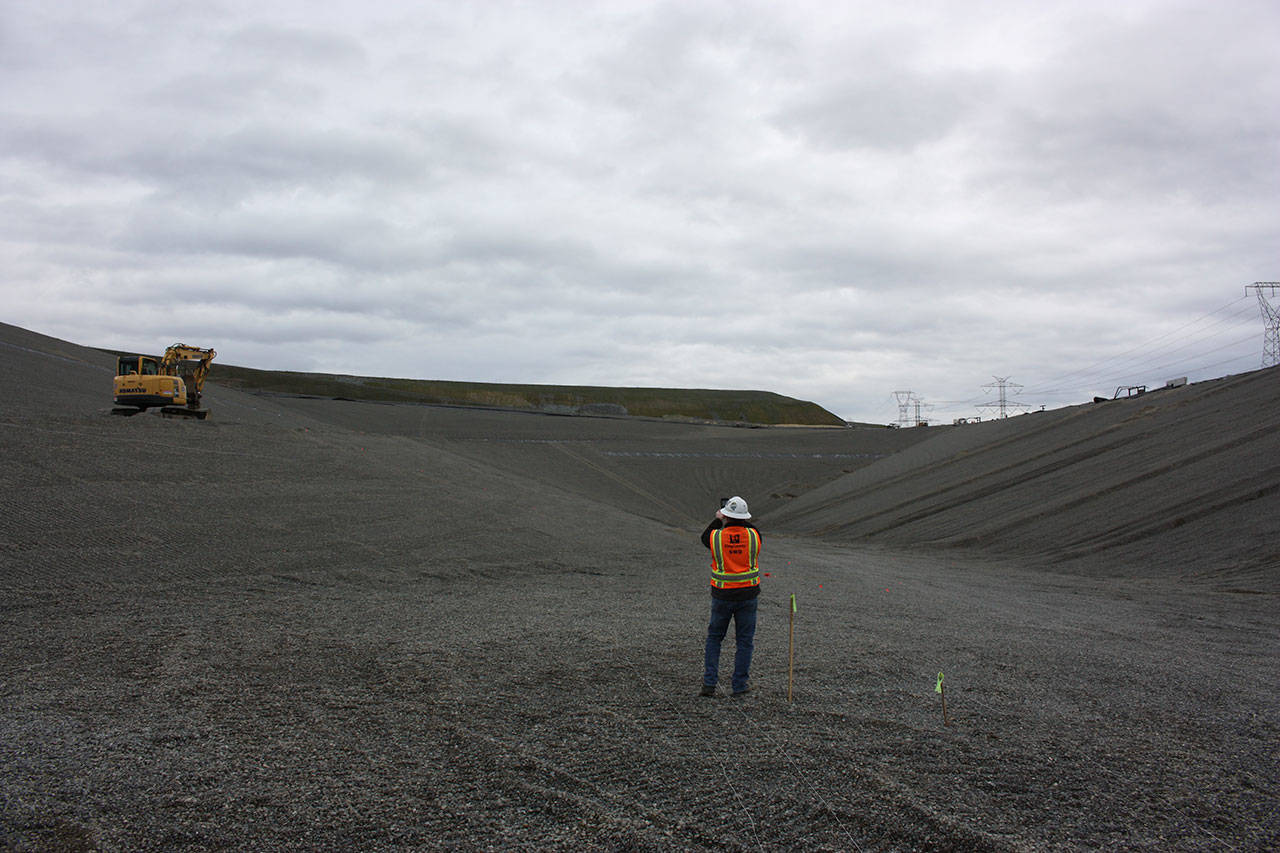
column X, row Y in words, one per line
column 743, row 614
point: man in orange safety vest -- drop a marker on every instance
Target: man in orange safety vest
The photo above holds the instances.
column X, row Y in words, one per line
column 735, row 585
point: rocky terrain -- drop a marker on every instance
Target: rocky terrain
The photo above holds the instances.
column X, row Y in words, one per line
column 315, row 624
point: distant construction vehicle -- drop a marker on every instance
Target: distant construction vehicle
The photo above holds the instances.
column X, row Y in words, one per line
column 171, row 383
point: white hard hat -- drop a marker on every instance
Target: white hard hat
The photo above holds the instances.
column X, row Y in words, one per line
column 735, row 507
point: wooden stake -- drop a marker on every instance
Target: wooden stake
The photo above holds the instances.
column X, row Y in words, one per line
column 791, row 647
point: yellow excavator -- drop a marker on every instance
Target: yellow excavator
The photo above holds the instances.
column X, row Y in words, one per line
column 171, row 383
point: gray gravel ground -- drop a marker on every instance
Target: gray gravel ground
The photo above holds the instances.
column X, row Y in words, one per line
column 316, row 625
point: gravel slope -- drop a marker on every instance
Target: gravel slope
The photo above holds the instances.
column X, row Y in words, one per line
column 315, row 625
column 1178, row 483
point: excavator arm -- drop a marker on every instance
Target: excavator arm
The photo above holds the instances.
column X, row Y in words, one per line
column 192, row 365
column 191, row 361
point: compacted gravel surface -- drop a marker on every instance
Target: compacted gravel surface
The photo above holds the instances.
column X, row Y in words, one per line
column 309, row 624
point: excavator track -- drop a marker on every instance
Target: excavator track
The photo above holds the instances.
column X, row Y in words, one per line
column 183, row 412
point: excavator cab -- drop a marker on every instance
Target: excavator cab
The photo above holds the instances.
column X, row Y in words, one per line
column 136, row 365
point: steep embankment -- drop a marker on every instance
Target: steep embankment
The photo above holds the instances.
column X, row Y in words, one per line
column 669, row 472
column 257, row 490
column 1178, row 482
column 757, row 407
column 91, row 491
column 1175, row 482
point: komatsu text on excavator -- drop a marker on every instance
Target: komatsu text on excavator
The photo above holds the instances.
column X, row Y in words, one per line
column 171, row 383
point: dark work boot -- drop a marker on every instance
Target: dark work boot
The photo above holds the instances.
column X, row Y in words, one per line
column 708, row 690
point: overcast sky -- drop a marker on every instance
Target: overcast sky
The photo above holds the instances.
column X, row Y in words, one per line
column 833, row 201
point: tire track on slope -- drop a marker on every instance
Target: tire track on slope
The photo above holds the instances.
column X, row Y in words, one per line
column 841, row 816
column 639, row 793
column 1017, row 473
column 1170, row 516
column 626, row 483
column 617, row 792
column 659, row 779
column 924, row 472
column 604, row 797
column 1127, row 482
column 1008, row 473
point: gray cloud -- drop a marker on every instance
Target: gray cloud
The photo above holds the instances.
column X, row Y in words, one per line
column 832, row 203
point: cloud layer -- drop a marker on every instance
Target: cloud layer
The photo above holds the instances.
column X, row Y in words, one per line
column 831, row 205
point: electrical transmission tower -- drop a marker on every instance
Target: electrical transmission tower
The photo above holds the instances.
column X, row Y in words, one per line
column 1002, row 403
column 907, row 402
column 1270, row 313
column 904, row 403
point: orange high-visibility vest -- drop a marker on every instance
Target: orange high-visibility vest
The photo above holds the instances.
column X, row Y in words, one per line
column 735, row 557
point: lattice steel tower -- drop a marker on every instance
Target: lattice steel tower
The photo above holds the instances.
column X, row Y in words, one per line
column 1003, row 403
column 1270, row 313
column 904, row 405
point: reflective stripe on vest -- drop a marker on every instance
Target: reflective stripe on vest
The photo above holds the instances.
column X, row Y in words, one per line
column 735, row 563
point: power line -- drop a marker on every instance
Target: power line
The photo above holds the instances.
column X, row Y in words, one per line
column 1217, row 364
column 1167, row 366
column 1157, row 361
column 1177, row 366
column 1184, row 349
column 1057, row 384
